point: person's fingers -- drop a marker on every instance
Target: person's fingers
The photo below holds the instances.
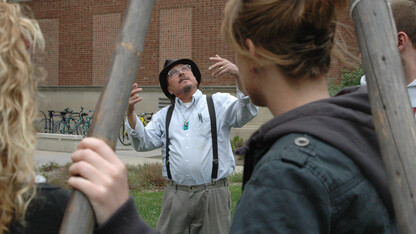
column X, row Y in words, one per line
column 87, row 171
column 218, row 65
column 85, row 186
column 91, row 157
column 214, row 66
column 135, row 91
column 135, row 99
column 216, row 72
column 99, row 147
column 223, row 71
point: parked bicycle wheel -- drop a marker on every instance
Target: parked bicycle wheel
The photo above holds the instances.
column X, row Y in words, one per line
column 82, row 129
column 40, row 126
column 123, row 136
column 60, row 127
column 71, row 127
column 40, row 122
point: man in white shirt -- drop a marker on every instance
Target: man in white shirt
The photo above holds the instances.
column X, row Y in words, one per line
column 197, row 199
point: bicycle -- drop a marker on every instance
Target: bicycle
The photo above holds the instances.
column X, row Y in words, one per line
column 67, row 124
column 46, row 124
column 79, row 128
column 85, row 123
column 123, row 136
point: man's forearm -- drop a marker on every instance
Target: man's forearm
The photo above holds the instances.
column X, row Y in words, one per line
column 131, row 116
column 240, row 86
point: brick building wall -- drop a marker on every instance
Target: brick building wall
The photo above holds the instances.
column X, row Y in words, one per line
column 81, row 34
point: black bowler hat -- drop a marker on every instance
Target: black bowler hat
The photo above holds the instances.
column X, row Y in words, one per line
column 166, row 68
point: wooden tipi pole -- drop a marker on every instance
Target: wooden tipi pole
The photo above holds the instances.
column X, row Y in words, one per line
column 112, row 104
column 390, row 105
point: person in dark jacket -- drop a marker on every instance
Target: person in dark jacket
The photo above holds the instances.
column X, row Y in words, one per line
column 316, row 166
column 27, row 203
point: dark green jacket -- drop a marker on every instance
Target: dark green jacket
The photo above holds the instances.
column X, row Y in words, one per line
column 309, row 187
column 316, row 169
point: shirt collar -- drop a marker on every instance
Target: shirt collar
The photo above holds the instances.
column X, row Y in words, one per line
column 195, row 97
column 412, row 84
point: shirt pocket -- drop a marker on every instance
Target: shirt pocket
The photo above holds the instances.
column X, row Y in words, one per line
column 204, row 127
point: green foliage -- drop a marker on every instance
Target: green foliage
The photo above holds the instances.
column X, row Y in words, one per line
column 56, row 174
column 349, row 78
column 149, row 205
column 235, row 196
column 49, row 167
column 237, row 142
column 140, row 177
column 145, row 177
column 236, row 177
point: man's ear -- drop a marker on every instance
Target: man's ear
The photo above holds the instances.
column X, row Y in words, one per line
column 251, row 47
column 402, row 40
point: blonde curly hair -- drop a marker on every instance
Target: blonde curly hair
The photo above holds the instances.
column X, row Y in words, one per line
column 19, row 37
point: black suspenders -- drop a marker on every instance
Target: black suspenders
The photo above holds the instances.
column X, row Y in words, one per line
column 168, row 117
column 213, row 119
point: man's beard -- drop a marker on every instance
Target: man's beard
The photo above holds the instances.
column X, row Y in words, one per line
column 187, row 89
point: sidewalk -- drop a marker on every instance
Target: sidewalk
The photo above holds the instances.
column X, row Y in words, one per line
column 127, row 156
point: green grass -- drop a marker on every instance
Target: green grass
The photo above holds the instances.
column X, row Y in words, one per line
column 235, row 196
column 149, row 203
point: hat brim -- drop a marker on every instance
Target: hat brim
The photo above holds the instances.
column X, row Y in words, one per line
column 164, row 73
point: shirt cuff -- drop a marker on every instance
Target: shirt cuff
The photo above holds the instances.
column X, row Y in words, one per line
column 138, row 129
column 243, row 98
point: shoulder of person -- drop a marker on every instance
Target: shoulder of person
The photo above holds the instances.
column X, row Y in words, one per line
column 305, row 154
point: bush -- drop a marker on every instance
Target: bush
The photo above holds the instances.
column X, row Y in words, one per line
column 145, row 177
column 56, row 174
column 349, row 78
column 237, row 142
column 140, row 177
column 236, row 177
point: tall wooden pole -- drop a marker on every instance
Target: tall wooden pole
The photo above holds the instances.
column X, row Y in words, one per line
column 392, row 113
column 112, row 104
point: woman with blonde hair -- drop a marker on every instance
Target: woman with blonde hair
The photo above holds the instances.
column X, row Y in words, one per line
column 27, row 204
column 316, row 166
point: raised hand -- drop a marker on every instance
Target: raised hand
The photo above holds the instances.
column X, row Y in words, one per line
column 223, row 66
column 133, row 99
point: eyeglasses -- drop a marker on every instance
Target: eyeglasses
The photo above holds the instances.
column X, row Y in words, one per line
column 175, row 72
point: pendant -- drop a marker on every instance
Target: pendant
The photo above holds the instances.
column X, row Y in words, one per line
column 185, row 125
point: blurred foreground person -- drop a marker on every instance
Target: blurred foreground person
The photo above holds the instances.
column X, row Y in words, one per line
column 27, row 203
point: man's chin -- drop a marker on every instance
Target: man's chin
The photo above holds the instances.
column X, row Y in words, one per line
column 187, row 89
